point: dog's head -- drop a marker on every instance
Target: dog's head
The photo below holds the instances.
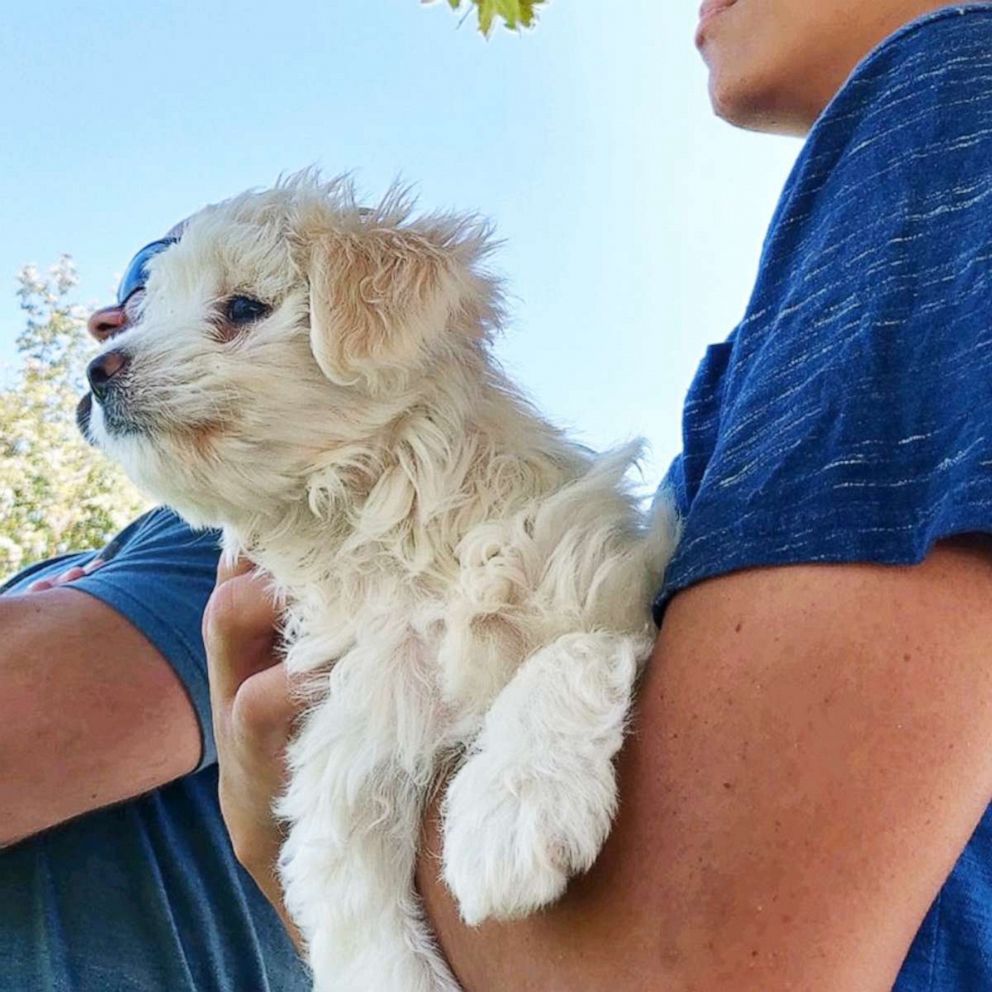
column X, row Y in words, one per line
column 283, row 327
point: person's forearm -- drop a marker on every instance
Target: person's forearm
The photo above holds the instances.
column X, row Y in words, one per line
column 809, row 757
column 18, row 817
column 29, row 793
column 90, row 713
column 593, row 940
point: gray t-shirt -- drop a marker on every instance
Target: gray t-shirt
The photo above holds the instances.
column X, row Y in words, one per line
column 144, row 896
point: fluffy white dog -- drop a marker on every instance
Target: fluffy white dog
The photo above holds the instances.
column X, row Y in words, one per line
column 466, row 590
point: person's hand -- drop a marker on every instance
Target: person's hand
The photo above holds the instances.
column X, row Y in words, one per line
column 70, row 574
column 253, row 714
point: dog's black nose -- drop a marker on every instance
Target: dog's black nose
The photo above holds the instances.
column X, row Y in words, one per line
column 102, row 369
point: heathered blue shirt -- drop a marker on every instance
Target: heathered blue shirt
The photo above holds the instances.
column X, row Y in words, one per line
column 144, row 896
column 848, row 418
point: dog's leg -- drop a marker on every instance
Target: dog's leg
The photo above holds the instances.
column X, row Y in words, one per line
column 533, row 803
column 355, row 805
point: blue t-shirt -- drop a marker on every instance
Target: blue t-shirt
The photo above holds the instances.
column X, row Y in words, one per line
column 848, row 418
column 144, row 896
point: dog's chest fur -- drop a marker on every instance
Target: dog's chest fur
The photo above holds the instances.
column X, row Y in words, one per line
column 438, row 641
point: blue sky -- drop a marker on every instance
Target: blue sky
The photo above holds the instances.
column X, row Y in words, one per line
column 632, row 219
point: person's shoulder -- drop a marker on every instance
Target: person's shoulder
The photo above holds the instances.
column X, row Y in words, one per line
column 922, row 63
column 157, row 530
column 161, row 520
column 902, row 156
column 966, row 23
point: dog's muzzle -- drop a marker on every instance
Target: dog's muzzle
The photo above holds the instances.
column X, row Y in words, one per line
column 110, row 379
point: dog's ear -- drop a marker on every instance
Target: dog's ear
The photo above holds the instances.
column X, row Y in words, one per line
column 383, row 299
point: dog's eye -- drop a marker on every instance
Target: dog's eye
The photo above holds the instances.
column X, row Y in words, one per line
column 245, row 310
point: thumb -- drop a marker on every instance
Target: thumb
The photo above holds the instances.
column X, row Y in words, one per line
column 265, row 706
column 239, row 632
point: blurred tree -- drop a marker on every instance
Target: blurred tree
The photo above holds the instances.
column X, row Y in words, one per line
column 56, row 493
column 514, row 13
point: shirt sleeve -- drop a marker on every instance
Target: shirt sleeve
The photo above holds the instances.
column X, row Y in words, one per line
column 855, row 413
column 160, row 580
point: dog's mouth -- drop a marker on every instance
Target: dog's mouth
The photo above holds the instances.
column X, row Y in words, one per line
column 83, row 410
column 118, row 421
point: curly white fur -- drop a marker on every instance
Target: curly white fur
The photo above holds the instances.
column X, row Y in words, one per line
column 463, row 584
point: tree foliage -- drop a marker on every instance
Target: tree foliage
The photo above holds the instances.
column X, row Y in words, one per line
column 57, row 494
column 515, row 14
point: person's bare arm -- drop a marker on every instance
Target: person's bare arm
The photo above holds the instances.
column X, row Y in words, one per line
column 90, row 711
column 811, row 754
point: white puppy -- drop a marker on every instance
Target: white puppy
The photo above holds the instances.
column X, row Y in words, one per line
column 466, row 589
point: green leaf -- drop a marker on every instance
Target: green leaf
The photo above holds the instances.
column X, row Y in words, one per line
column 487, row 10
column 510, row 12
column 527, row 12
column 513, row 13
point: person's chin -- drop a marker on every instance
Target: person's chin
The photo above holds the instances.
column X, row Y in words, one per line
column 733, row 99
column 753, row 102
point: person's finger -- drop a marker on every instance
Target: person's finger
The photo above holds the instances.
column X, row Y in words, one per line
column 239, row 633
column 229, row 568
column 76, row 572
column 69, row 575
column 265, row 706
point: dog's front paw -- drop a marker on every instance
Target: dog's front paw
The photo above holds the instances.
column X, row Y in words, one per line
column 511, row 841
column 498, row 860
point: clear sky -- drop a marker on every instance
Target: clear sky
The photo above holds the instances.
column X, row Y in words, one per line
column 632, row 219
